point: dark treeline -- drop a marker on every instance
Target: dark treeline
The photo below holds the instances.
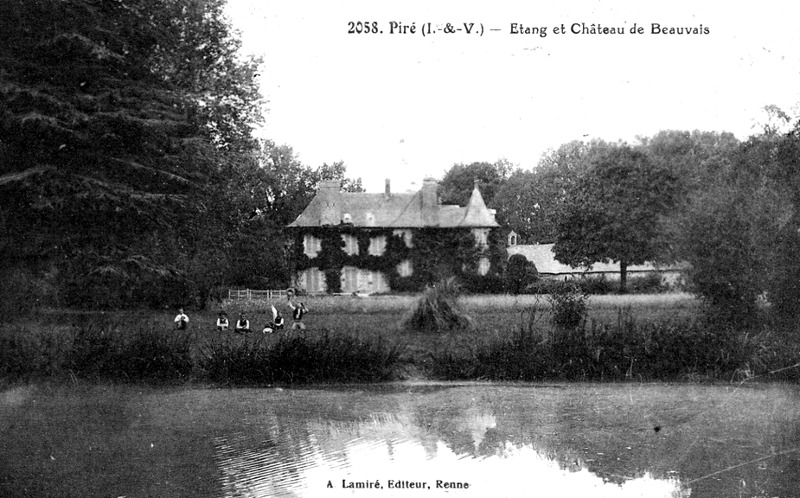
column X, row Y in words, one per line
column 726, row 208
column 129, row 172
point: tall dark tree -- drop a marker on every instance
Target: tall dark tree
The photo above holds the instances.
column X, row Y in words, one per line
column 289, row 185
column 612, row 213
column 784, row 283
column 457, row 184
column 740, row 233
column 108, row 135
column 724, row 234
column 530, row 201
column 696, row 158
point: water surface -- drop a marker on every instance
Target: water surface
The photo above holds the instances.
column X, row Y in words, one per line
column 592, row 440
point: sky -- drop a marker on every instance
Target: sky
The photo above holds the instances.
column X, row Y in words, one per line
column 406, row 106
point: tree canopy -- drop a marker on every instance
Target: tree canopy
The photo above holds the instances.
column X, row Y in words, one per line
column 530, row 202
column 612, row 213
column 457, row 184
column 740, row 231
column 120, row 124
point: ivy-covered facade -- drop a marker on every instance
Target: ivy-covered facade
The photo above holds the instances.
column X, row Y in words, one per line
column 373, row 243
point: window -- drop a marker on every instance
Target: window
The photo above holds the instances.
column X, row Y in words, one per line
column 406, row 234
column 313, row 280
column 349, row 279
column 311, row 245
column 483, row 266
column 372, row 281
column 350, row 244
column 404, row 269
column 481, row 237
column 377, row 245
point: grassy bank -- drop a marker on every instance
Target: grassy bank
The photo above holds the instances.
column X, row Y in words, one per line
column 352, row 339
column 163, row 355
column 627, row 350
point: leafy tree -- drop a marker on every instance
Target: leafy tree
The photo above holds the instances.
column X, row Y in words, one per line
column 783, row 285
column 520, row 273
column 738, row 227
column 722, row 236
column 696, row 158
column 288, row 185
column 118, row 122
column 458, row 182
column 612, row 213
column 530, row 202
column 204, row 61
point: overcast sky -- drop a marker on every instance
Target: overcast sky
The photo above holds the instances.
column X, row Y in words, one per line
column 407, row 106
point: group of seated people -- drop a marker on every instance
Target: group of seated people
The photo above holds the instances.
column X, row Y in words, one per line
column 242, row 325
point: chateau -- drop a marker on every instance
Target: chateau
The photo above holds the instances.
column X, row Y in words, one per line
column 370, row 243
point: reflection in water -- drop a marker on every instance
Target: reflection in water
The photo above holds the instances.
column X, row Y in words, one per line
column 394, row 455
column 502, row 439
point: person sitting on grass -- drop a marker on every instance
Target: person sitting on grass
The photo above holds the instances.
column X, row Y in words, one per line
column 181, row 320
column 277, row 322
column 243, row 324
column 297, row 315
column 222, row 322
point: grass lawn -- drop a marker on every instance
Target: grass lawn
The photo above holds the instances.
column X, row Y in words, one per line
column 495, row 317
column 357, row 338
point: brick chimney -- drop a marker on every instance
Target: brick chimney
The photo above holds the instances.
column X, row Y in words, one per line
column 387, row 191
column 430, row 202
column 330, row 208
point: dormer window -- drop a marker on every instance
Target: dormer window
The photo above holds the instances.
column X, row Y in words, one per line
column 350, row 244
column 512, row 239
column 347, row 218
column 370, row 220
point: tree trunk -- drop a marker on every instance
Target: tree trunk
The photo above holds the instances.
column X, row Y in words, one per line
column 623, row 277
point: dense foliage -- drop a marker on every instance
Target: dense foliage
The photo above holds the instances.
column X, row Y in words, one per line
column 118, row 121
column 626, row 350
column 458, row 182
column 130, row 175
column 531, row 201
column 613, row 211
column 435, row 254
column 740, row 231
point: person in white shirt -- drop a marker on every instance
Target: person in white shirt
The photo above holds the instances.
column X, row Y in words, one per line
column 277, row 322
column 181, row 320
column 222, row 322
column 297, row 315
column 243, row 324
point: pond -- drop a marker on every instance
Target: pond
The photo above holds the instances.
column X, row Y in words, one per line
column 408, row 439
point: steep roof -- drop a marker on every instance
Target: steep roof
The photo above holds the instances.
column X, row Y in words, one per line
column 406, row 210
column 476, row 212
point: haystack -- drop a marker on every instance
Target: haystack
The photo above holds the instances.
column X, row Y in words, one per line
column 437, row 310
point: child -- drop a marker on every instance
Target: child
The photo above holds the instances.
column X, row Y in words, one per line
column 181, row 320
column 297, row 316
column 222, row 322
column 243, row 324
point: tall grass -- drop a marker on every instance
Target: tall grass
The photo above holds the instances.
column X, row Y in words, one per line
column 626, row 350
column 97, row 353
column 153, row 355
column 300, row 360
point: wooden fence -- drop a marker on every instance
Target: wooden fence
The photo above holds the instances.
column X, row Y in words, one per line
column 248, row 294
